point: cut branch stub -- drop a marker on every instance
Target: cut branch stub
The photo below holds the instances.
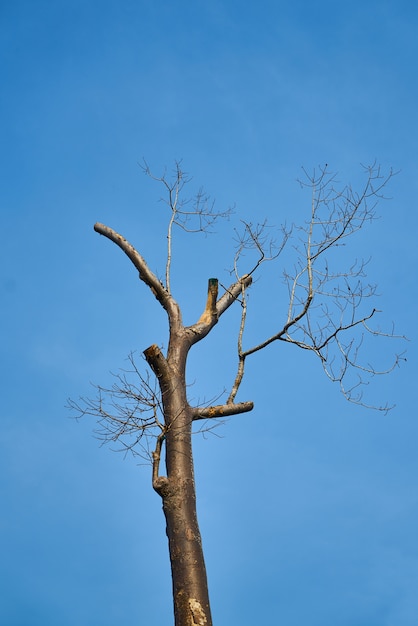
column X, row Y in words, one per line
column 222, row 410
column 158, row 363
column 210, row 311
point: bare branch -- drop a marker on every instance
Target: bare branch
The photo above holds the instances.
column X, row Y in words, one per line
column 241, row 356
column 197, row 215
column 255, row 237
column 232, row 293
column 159, row 483
column 145, row 274
column 324, row 305
column 222, row 410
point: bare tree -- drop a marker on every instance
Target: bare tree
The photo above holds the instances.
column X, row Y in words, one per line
column 327, row 314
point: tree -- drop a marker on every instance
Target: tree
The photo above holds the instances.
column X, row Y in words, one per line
column 326, row 314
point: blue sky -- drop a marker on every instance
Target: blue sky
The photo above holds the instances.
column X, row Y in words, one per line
column 308, row 505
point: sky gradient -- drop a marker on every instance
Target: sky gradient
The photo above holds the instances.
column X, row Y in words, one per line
column 308, row 505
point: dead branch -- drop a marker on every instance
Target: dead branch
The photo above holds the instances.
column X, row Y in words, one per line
column 145, row 274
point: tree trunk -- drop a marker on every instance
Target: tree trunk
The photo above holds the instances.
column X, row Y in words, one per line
column 177, row 490
column 190, row 588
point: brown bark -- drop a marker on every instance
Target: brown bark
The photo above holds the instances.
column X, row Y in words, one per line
column 177, row 489
column 190, row 588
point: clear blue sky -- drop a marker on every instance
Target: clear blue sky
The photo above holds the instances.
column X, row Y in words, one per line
column 308, row 505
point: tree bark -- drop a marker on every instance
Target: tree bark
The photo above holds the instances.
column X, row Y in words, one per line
column 177, row 488
column 190, row 588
